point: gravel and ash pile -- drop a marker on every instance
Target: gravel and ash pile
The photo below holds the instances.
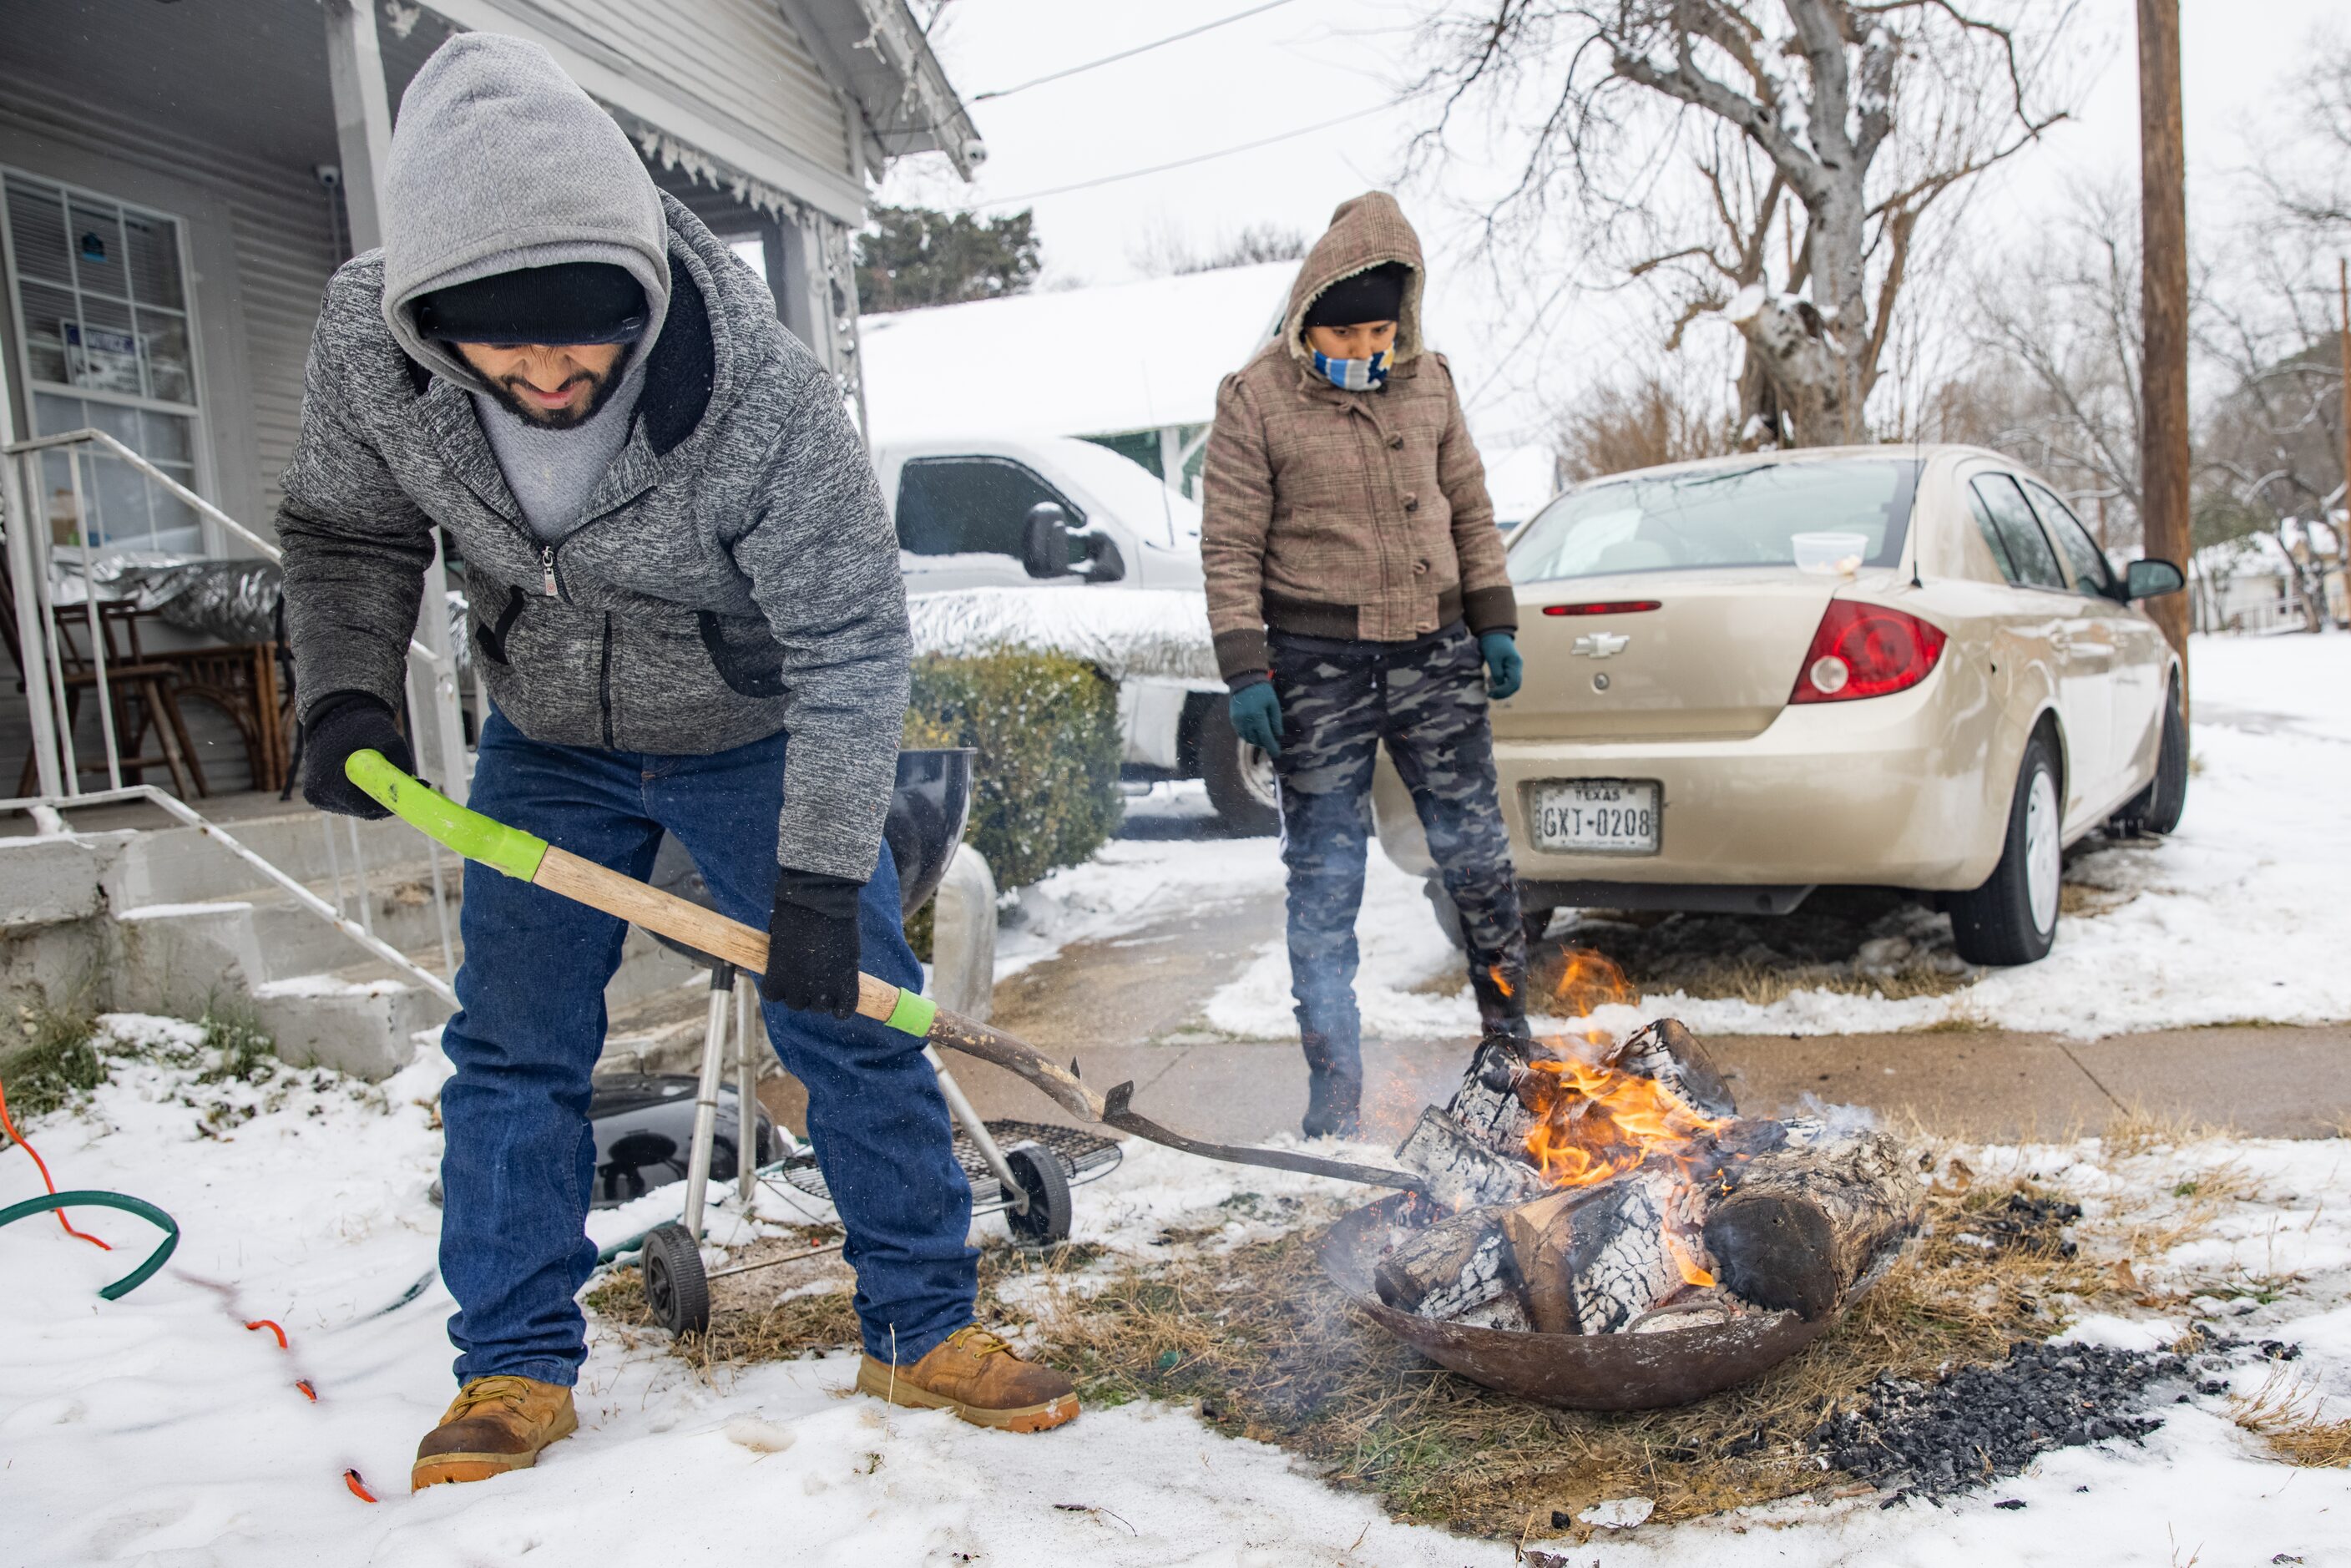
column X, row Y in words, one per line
column 1978, row 1423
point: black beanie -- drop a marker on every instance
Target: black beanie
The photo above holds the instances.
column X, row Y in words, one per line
column 1375, row 294
column 571, row 302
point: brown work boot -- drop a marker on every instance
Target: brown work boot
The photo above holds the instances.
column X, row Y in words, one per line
column 495, row 1425
column 975, row 1375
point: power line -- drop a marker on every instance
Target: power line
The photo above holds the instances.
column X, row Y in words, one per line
column 1185, row 163
column 1130, row 54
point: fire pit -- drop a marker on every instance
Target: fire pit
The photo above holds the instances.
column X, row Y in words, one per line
column 1601, row 1229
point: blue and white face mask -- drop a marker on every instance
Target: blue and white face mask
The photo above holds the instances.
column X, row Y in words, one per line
column 1354, row 375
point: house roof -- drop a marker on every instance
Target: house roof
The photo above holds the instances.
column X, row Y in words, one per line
column 879, row 58
column 1078, row 361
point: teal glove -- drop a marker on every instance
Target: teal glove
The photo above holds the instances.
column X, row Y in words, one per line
column 1256, row 716
column 1505, row 671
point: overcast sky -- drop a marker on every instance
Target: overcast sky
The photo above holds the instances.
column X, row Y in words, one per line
column 1310, row 61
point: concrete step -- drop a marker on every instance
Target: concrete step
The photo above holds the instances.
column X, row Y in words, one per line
column 179, row 865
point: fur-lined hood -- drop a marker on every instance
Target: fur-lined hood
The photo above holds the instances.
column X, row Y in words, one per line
column 1365, row 232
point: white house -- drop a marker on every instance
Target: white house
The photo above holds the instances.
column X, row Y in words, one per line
column 1134, row 366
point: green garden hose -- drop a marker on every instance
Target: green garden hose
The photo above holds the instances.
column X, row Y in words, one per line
column 128, row 1205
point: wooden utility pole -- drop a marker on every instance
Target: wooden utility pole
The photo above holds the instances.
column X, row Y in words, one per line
column 2343, row 405
column 2163, row 238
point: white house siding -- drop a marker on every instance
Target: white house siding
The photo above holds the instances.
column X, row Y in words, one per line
column 254, row 324
column 738, row 58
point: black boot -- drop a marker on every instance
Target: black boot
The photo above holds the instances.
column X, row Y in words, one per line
column 1335, row 1088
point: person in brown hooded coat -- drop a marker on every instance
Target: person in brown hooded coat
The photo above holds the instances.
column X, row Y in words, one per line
column 1357, row 596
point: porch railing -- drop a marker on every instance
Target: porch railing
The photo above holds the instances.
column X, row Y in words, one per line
column 433, row 681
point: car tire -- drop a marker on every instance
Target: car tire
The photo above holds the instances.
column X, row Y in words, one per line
column 2012, row 917
column 2159, row 807
column 1239, row 777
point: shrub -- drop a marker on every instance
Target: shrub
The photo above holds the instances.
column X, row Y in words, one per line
column 1045, row 783
column 57, row 1066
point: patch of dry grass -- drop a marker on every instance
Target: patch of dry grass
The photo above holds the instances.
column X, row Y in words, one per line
column 2284, row 1414
column 1764, row 984
column 1268, row 1348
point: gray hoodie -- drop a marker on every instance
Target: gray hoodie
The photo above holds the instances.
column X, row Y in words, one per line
column 500, row 161
column 733, row 573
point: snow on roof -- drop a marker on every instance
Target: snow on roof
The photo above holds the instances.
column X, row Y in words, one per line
column 1078, row 361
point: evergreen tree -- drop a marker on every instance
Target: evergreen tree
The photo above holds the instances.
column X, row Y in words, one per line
column 910, row 256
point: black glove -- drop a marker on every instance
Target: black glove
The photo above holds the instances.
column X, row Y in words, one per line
column 343, row 723
column 813, row 944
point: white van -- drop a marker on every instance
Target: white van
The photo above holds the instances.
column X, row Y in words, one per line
column 1053, row 511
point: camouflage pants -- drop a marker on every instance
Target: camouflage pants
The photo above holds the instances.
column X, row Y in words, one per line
column 1426, row 700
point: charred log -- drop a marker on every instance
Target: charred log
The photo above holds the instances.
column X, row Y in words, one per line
column 1466, row 1171
column 1802, row 1223
column 1670, row 1056
column 1456, row 1265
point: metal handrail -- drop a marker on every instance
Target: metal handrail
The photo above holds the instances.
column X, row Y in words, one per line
column 270, row 552
column 45, row 809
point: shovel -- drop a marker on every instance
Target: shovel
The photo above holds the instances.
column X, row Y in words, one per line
column 533, row 859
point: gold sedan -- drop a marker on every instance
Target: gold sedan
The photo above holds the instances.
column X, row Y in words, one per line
column 1896, row 666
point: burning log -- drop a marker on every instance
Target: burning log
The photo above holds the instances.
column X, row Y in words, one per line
column 1602, row 1193
column 1804, row 1222
column 1591, row 1260
column 1670, row 1056
column 1466, row 1171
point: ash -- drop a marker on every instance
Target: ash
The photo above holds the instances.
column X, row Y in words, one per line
column 1980, row 1423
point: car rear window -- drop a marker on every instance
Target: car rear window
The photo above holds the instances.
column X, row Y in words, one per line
column 1744, row 516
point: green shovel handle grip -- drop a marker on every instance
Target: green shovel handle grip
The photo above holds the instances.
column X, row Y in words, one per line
column 437, row 816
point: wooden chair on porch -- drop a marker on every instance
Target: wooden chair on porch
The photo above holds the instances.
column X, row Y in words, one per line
column 143, row 702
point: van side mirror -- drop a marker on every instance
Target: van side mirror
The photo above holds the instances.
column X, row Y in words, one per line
column 2152, row 580
column 1045, row 540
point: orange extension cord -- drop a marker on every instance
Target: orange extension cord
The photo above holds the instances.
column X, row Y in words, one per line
column 43, row 1166
column 351, row 1481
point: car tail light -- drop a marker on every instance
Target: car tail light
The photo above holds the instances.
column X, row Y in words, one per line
column 1608, row 607
column 1866, row 650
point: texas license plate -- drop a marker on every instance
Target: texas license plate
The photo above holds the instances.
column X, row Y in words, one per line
column 1595, row 816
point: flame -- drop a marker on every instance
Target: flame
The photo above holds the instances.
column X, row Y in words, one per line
column 1501, row 981
column 1595, row 1123
column 1590, row 980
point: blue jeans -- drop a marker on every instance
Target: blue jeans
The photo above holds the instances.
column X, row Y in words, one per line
column 519, row 1158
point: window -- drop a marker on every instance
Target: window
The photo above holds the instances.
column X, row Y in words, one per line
column 970, row 505
column 103, row 333
column 2024, row 556
column 1743, row 516
column 2091, row 572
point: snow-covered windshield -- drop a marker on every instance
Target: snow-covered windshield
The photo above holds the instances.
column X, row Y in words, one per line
column 1745, row 515
column 1132, row 492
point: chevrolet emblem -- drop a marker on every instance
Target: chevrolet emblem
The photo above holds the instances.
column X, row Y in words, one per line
column 1601, row 645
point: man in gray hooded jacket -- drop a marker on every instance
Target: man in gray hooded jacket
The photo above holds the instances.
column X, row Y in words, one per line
column 685, row 604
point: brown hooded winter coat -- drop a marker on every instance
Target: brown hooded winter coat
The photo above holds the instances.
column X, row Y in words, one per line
column 1340, row 514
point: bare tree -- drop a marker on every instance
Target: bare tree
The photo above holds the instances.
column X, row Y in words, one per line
column 1659, row 418
column 1165, row 249
column 2056, row 326
column 1851, row 118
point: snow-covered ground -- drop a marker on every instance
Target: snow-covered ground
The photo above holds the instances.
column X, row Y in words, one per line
column 2236, row 917
column 157, row 1429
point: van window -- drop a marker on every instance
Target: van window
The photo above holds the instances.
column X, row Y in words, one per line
column 970, row 505
column 2029, row 560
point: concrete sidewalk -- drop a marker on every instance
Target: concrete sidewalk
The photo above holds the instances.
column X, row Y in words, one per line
column 2267, row 1081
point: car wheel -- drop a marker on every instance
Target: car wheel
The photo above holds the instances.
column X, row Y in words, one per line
column 2012, row 917
column 2159, row 807
column 1239, row 777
